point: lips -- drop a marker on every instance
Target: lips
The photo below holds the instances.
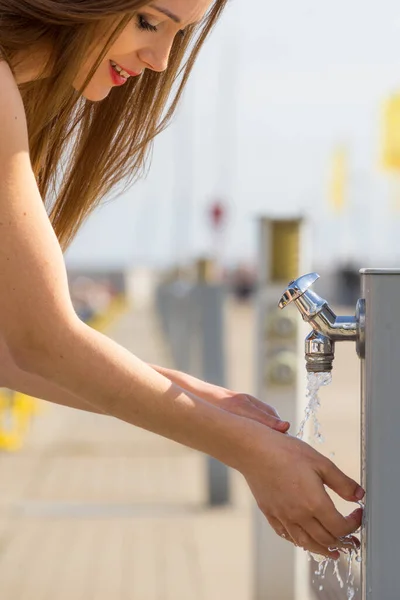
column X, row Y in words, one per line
column 131, row 73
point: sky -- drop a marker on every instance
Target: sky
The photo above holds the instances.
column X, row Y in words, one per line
column 278, row 86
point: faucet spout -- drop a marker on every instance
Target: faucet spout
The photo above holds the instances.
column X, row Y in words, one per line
column 328, row 328
column 319, row 353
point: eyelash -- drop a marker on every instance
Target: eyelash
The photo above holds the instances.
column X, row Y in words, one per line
column 143, row 24
column 146, row 26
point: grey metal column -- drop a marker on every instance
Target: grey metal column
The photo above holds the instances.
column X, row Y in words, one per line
column 193, row 321
column 381, row 434
column 211, row 299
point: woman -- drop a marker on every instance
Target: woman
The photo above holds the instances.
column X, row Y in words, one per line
column 84, row 88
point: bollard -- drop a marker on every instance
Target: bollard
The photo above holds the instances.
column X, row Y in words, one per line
column 280, row 569
column 211, row 299
column 192, row 315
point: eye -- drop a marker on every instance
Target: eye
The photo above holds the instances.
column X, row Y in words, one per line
column 143, row 24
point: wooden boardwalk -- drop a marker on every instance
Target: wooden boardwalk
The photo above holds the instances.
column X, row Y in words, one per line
column 94, row 509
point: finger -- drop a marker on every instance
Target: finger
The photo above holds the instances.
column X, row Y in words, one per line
column 267, row 408
column 303, row 540
column 251, row 411
column 344, row 486
column 274, row 423
column 300, row 538
column 353, row 521
column 270, row 415
column 338, row 525
column 319, row 534
column 279, row 529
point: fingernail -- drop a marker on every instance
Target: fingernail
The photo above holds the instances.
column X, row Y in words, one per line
column 360, row 493
column 335, row 555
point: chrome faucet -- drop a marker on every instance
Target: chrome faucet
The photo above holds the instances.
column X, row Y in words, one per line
column 327, row 327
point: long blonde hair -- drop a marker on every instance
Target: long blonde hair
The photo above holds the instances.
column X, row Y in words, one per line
column 81, row 149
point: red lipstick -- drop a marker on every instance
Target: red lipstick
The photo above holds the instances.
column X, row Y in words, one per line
column 120, row 79
column 117, row 79
column 131, row 73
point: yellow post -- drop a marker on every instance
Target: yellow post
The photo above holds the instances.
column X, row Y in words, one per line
column 391, row 134
column 390, row 151
column 285, row 240
column 339, row 179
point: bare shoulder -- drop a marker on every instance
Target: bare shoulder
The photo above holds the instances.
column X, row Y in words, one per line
column 13, row 126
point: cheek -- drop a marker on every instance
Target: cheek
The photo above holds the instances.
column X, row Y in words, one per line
column 90, row 62
column 126, row 43
column 100, row 84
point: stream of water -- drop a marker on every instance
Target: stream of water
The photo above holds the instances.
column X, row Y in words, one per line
column 315, row 381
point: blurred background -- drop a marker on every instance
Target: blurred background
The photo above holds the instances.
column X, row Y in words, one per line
column 292, row 112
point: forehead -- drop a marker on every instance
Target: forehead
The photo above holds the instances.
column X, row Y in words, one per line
column 189, row 11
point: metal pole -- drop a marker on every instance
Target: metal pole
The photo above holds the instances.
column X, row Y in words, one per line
column 212, row 299
column 380, row 445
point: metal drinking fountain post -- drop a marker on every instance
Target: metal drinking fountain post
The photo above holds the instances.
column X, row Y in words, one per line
column 376, row 330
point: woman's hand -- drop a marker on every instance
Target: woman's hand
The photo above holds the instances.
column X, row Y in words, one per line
column 287, row 478
column 239, row 404
column 245, row 405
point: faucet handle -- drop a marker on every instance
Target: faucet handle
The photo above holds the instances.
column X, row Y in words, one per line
column 297, row 288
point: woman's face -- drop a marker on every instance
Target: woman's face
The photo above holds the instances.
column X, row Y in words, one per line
column 145, row 43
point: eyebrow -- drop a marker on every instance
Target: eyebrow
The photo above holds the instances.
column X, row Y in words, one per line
column 166, row 12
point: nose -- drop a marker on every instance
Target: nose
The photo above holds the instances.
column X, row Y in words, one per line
column 156, row 57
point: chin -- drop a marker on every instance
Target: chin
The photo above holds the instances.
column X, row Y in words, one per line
column 95, row 97
column 94, row 92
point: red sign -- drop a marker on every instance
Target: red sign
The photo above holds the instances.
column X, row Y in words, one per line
column 217, row 214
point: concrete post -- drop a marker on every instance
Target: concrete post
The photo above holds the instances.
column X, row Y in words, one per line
column 280, row 570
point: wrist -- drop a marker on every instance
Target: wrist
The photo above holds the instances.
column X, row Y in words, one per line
column 250, row 439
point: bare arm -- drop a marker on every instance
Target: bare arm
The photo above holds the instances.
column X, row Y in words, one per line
column 188, row 382
column 14, row 378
